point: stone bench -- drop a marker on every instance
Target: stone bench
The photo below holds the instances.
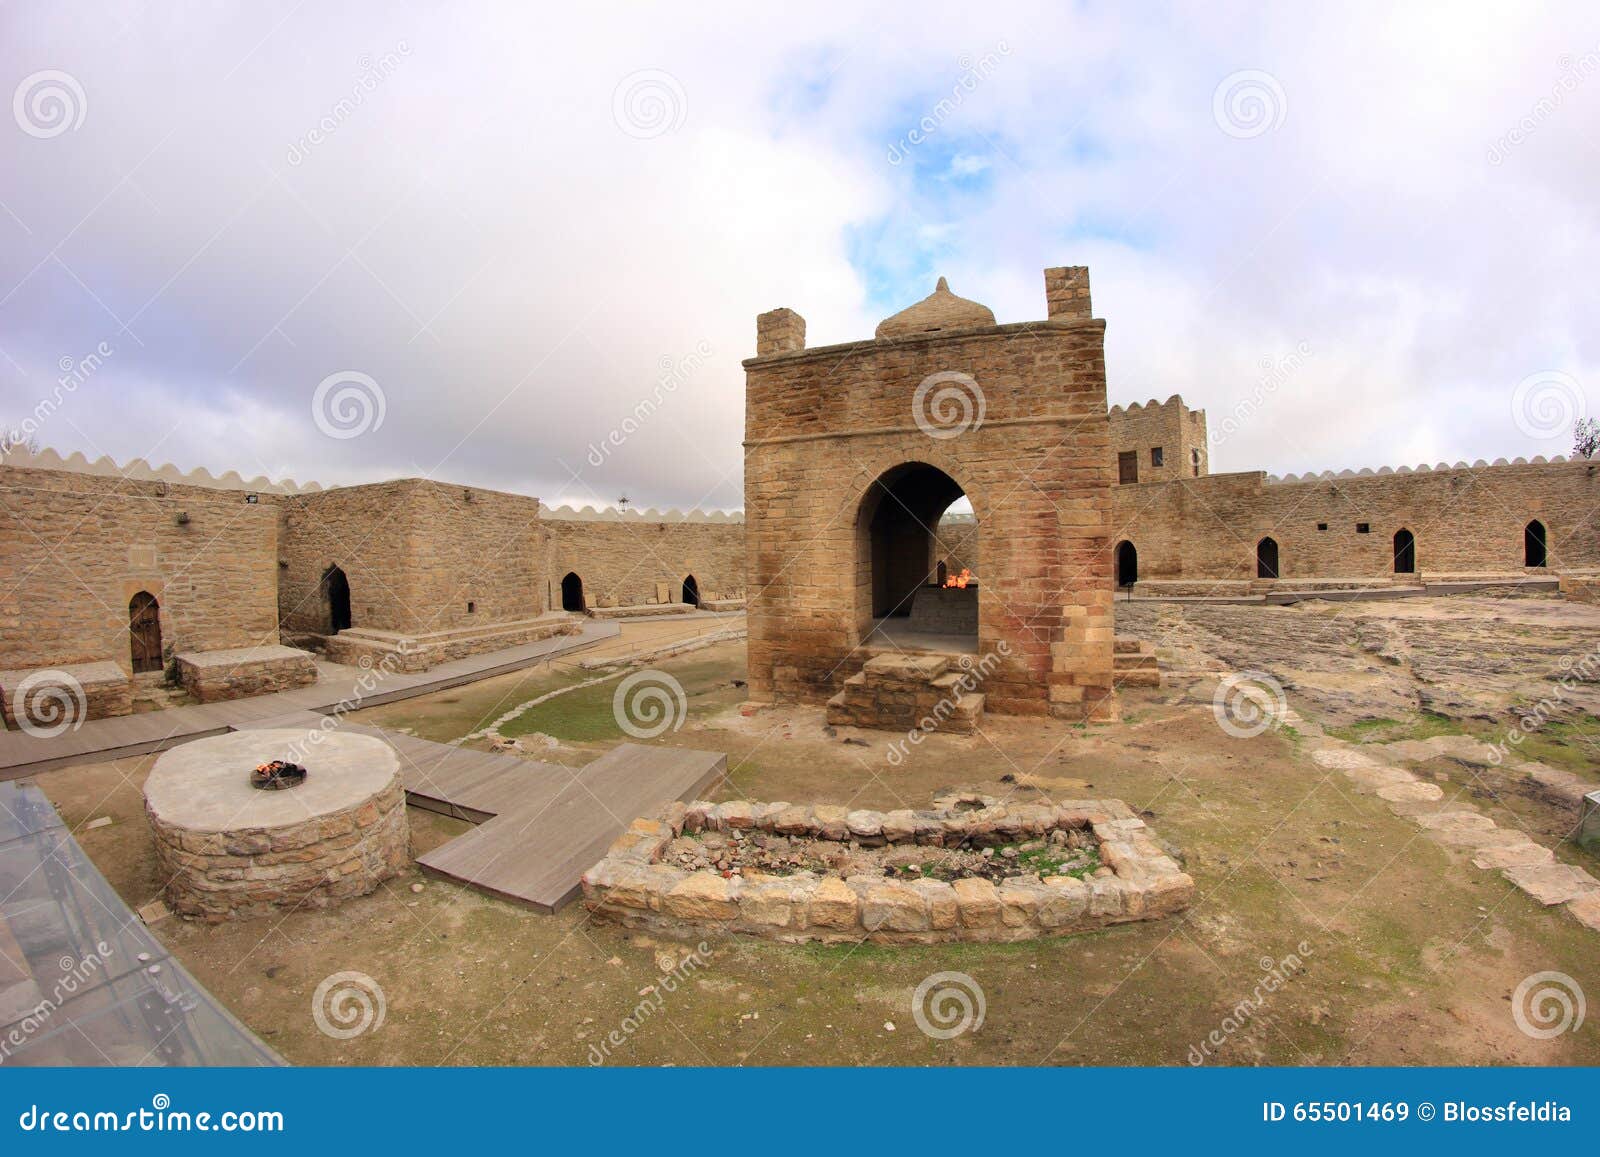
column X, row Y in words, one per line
column 53, row 699
column 211, row 676
column 396, row 651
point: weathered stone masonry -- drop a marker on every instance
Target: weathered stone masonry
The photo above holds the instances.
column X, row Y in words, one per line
column 829, row 432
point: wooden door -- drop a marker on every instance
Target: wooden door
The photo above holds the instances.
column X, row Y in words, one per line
column 144, row 632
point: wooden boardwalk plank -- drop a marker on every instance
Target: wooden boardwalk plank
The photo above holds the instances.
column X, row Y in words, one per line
column 337, row 686
column 535, row 853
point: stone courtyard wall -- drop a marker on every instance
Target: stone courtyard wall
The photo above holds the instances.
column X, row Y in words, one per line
column 1466, row 519
column 623, row 560
column 416, row 553
column 76, row 547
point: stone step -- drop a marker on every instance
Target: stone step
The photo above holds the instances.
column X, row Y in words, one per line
column 908, row 668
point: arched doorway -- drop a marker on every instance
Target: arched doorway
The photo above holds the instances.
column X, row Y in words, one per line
column 144, row 632
column 1127, row 564
column 1405, row 552
column 1267, row 558
column 572, row 592
column 1533, row 545
column 897, row 550
column 336, row 594
column 691, row 591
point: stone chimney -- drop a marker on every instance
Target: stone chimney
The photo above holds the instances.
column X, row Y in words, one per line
column 780, row 332
column 1066, row 292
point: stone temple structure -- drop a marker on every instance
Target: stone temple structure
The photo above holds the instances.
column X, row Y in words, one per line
column 854, row 452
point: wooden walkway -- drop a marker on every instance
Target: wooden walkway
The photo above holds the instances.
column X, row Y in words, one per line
column 539, row 826
column 338, row 689
column 553, row 823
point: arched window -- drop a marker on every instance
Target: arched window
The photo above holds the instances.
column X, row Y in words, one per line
column 1405, row 552
column 1267, row 558
column 1127, row 564
column 144, row 632
column 572, row 592
column 1533, row 545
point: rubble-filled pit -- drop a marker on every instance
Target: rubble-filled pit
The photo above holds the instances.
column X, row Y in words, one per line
column 970, row 868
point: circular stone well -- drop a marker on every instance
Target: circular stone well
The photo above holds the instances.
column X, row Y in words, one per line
column 231, row 851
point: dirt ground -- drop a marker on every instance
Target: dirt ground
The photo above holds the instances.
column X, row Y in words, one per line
column 1409, row 954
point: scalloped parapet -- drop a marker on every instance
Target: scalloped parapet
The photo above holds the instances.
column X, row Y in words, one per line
column 1152, row 404
column 1422, row 468
column 138, row 470
column 612, row 514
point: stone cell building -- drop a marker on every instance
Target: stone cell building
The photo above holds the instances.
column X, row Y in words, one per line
column 1159, row 441
column 852, row 454
column 1230, row 533
column 113, row 574
column 76, row 551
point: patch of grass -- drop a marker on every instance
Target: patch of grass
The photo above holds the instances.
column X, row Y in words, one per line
column 589, row 715
column 1562, row 744
column 1425, row 725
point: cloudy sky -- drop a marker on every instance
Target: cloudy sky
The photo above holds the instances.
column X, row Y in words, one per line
column 476, row 236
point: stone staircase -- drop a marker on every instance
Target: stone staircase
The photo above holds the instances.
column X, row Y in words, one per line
column 1133, row 663
column 902, row 692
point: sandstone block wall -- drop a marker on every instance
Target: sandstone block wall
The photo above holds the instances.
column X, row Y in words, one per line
column 416, row 554
column 1466, row 520
column 823, row 426
column 622, row 562
column 75, row 548
column 1179, row 432
column 956, row 545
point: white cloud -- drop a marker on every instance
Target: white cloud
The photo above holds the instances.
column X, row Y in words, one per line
column 513, row 267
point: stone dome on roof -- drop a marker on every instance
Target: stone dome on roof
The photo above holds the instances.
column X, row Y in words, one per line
column 940, row 310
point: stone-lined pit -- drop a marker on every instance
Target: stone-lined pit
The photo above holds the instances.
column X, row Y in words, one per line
column 229, row 851
column 784, row 875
